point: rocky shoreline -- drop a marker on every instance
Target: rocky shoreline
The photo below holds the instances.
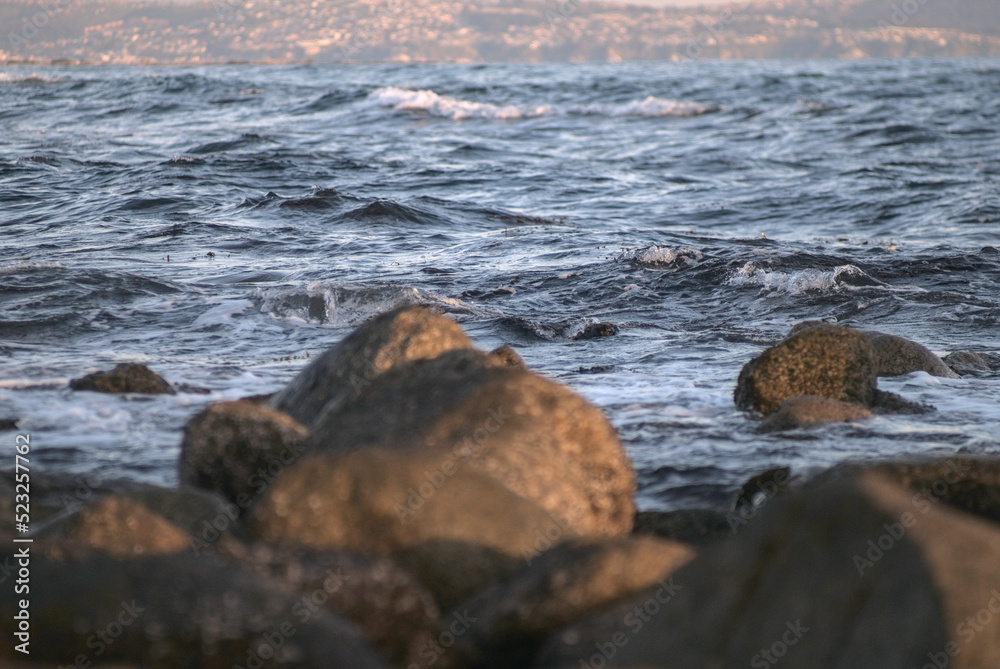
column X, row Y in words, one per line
column 411, row 501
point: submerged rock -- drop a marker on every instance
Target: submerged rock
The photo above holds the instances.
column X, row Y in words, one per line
column 235, row 448
column 539, row 439
column 973, row 363
column 851, row 574
column 897, row 356
column 343, row 371
column 811, row 410
column 127, row 377
column 565, row 585
column 824, row 360
column 597, row 330
column 174, row 611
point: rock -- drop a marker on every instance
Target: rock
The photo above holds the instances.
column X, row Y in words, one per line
column 597, row 331
column 562, row 586
column 7, row 424
column 127, row 377
column 454, row 528
column 339, row 374
column 540, row 439
column 121, row 527
column 761, row 488
column 969, row 483
column 852, row 574
column 897, row 356
column 973, row 363
column 891, row 403
column 174, row 611
column 235, row 448
column 390, row 608
column 509, row 357
column 824, row 360
column 697, row 527
column 811, row 410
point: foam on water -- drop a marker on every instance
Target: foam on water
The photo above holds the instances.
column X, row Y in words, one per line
column 801, row 281
column 405, row 99
column 649, row 107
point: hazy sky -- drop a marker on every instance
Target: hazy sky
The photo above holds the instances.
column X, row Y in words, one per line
column 675, row 3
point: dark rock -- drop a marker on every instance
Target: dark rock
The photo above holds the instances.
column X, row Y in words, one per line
column 127, row 377
column 454, row 528
column 811, row 410
column 698, row 527
column 394, row 613
column 567, row 584
column 8, row 424
column 761, row 488
column 540, row 439
column 852, row 574
column 192, row 389
column 234, row 448
column 973, row 363
column 823, row 360
column 339, row 374
column 971, row 484
column 509, row 357
column 890, row 403
column 174, row 611
column 597, row 330
column 897, row 356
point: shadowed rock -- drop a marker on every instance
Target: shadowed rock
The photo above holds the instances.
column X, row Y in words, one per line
column 811, row 410
column 339, row 374
column 127, row 377
column 457, row 530
column 394, row 613
column 973, row 363
column 852, row 574
column 174, row 611
column 897, row 356
column 823, row 360
column 697, row 527
column 234, row 448
column 564, row 585
column 539, row 439
column 509, row 357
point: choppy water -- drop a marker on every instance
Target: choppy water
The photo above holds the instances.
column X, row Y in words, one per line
column 526, row 201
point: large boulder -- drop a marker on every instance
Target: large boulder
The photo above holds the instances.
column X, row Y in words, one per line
column 810, row 410
column 539, row 439
column 562, row 586
column 851, row 574
column 236, row 448
column 897, row 356
column 126, row 377
column 172, row 611
column 339, row 374
column 390, row 608
column 456, row 529
column 824, row 360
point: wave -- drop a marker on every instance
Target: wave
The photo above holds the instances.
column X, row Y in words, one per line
column 456, row 109
column 803, row 281
column 660, row 257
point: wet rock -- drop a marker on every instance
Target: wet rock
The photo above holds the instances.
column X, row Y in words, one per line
column 567, row 584
column 890, row 403
column 339, row 374
column 390, row 608
column 697, row 527
column 127, row 377
column 897, row 356
column 8, row 424
column 174, row 611
column 235, row 448
column 852, row 574
column 455, row 529
column 597, row 331
column 811, row 410
column 973, row 363
column 761, row 488
column 538, row 438
column 121, row 527
column 971, row 484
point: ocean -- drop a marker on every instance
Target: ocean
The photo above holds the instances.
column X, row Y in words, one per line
column 223, row 225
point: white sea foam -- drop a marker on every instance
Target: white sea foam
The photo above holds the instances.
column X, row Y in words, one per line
column 800, row 281
column 406, row 99
column 663, row 256
column 21, row 267
column 14, row 78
